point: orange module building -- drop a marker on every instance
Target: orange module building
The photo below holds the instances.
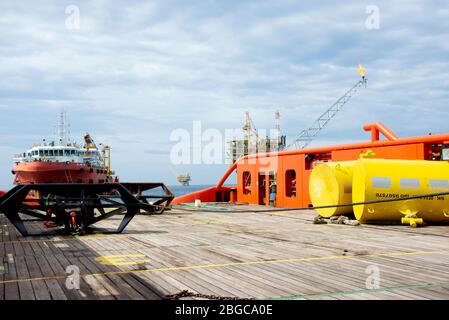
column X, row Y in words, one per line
column 283, row 177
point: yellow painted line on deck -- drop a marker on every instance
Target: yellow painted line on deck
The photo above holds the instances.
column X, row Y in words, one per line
column 122, row 259
column 232, row 264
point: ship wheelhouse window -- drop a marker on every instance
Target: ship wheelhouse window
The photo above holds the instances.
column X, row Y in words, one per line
column 61, row 153
column 41, row 153
column 46, row 153
column 67, row 152
column 50, row 153
column 72, row 152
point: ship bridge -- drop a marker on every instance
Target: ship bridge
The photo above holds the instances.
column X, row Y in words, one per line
column 60, row 154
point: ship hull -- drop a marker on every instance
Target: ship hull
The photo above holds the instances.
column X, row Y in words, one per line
column 58, row 172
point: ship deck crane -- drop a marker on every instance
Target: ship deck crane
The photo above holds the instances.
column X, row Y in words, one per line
column 307, row 135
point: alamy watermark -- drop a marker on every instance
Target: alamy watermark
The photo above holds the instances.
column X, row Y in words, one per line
column 72, row 281
column 4, row 268
column 373, row 279
column 213, row 146
column 372, row 22
column 73, row 20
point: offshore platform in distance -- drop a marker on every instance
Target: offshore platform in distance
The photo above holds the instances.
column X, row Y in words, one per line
column 184, row 179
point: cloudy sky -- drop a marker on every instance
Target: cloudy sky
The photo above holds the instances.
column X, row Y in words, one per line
column 135, row 71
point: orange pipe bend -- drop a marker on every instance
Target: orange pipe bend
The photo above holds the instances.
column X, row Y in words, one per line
column 377, row 127
column 228, row 173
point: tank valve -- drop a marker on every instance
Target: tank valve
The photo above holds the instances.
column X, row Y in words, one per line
column 413, row 222
column 368, row 154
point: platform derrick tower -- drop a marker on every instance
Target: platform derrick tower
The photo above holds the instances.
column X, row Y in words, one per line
column 252, row 142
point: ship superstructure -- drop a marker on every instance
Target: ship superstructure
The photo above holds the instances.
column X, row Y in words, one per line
column 63, row 162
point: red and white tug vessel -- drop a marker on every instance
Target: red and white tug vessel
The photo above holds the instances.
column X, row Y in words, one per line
column 63, row 162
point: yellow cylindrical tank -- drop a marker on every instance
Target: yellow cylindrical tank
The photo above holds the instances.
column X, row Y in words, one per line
column 330, row 183
column 378, row 179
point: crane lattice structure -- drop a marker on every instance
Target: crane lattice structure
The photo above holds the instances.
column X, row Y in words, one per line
column 307, row 135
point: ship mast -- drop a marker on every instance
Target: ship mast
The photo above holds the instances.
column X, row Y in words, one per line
column 62, row 129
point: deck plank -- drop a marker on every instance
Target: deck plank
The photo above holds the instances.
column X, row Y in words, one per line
column 239, row 254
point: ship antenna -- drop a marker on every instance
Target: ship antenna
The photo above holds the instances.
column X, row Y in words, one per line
column 62, row 129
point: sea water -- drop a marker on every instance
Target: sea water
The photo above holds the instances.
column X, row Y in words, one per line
column 179, row 190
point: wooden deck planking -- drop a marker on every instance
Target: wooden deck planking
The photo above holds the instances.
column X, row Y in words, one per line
column 237, row 254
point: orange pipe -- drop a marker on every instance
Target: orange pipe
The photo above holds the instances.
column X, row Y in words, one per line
column 377, row 127
column 228, row 173
column 387, row 132
column 205, row 195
